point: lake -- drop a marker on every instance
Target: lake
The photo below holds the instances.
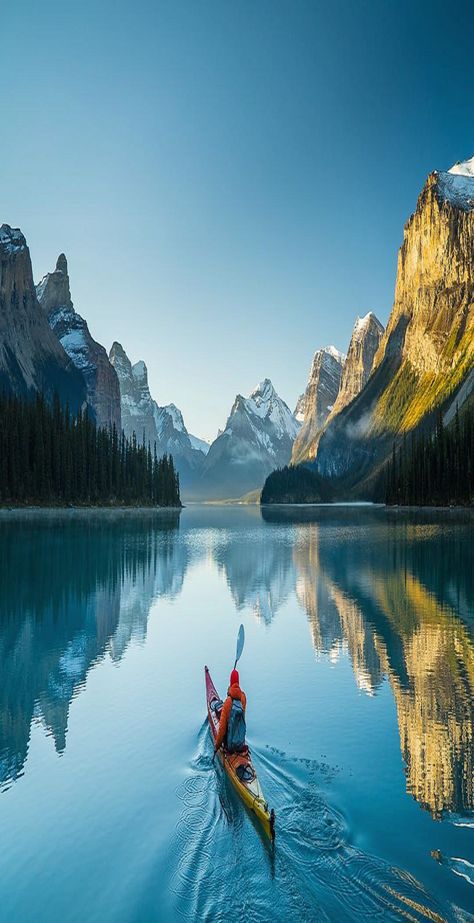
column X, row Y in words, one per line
column 359, row 672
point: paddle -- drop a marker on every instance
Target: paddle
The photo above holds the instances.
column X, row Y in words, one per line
column 238, row 653
column 240, row 645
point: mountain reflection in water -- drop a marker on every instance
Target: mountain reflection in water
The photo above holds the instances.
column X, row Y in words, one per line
column 394, row 601
column 395, row 593
column 72, row 593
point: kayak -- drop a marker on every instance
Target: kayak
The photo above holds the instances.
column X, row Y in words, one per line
column 239, row 766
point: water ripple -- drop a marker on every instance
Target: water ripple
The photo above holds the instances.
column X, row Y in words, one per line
column 224, row 866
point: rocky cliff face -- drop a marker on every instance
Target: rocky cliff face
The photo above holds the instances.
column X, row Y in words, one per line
column 103, row 392
column 258, row 437
column 318, row 400
column 300, row 408
column 137, row 404
column 365, row 341
column 162, row 426
column 173, row 436
column 425, row 359
column 31, row 357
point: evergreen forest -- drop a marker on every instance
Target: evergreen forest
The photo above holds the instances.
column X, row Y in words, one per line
column 48, row 455
column 435, row 469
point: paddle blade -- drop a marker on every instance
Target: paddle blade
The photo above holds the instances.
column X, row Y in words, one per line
column 240, row 644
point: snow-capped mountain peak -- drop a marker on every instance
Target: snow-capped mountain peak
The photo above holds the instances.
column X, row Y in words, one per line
column 362, row 324
column 321, row 392
column 265, row 403
column 176, row 416
column 88, row 356
column 335, row 353
column 264, row 391
column 457, row 185
column 258, row 437
column 463, row 167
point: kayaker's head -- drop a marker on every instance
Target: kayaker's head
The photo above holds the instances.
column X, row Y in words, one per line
column 234, row 678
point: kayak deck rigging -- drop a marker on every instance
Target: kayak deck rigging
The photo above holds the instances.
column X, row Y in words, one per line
column 239, row 766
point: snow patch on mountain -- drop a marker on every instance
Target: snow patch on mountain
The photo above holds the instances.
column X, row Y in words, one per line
column 103, row 391
column 457, row 185
column 362, row 325
column 335, row 353
column 299, row 410
column 200, row 444
column 11, row 239
column 76, row 347
column 162, row 426
column 463, row 167
column 176, row 416
column 265, row 404
column 258, row 437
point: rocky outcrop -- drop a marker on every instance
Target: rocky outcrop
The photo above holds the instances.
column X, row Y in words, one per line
column 318, row 400
column 162, row 427
column 174, row 438
column 300, row 408
column 31, row 357
column 258, row 437
column 137, row 404
column 365, row 341
column 426, row 355
column 103, row 392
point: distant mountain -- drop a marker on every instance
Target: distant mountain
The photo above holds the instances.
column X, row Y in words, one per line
column 137, row 404
column 300, row 408
column 318, row 400
column 103, row 391
column 365, row 341
column 197, row 443
column 258, row 437
column 31, row 357
column 425, row 361
column 162, row 426
column 173, row 437
column 355, row 371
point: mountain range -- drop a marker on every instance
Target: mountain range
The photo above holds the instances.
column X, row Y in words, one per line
column 32, row 358
column 258, row 436
column 355, row 406
column 162, row 427
column 89, row 357
column 424, row 364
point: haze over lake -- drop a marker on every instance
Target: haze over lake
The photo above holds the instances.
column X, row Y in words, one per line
column 359, row 672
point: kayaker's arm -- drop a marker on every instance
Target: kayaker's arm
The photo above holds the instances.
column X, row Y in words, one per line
column 224, row 718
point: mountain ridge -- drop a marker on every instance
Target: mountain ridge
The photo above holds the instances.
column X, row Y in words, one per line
column 31, row 357
column 89, row 356
column 258, row 436
column 426, row 354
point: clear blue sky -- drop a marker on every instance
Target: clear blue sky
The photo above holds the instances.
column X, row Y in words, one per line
column 229, row 180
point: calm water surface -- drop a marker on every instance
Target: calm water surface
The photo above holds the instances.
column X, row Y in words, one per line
column 359, row 672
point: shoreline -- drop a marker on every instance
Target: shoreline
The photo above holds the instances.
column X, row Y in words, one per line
column 10, row 512
column 368, row 504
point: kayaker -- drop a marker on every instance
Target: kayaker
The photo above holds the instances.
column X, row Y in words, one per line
column 231, row 730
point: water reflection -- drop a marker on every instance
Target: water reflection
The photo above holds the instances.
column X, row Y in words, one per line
column 393, row 594
column 72, row 592
column 259, row 572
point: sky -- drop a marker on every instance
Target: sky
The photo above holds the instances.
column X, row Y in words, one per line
column 229, row 179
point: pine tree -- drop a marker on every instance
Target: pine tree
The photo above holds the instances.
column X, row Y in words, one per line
column 48, row 455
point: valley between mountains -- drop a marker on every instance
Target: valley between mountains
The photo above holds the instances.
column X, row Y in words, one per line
column 357, row 407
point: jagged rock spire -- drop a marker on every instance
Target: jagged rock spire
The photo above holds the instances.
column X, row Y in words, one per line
column 61, row 263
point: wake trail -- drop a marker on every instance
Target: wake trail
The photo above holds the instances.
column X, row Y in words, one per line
column 224, row 865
